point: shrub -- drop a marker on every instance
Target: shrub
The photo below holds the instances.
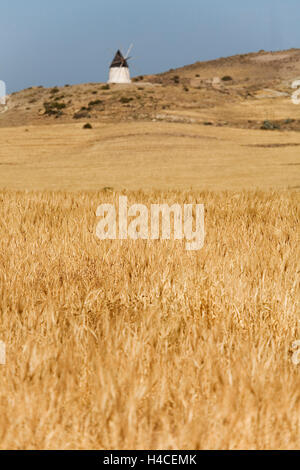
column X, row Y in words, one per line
column 59, row 105
column 227, row 78
column 60, row 97
column 125, row 99
column 270, row 126
column 81, row 114
column 95, row 103
column 53, row 107
column 105, row 87
column 176, row 79
column 88, row 126
column 54, row 90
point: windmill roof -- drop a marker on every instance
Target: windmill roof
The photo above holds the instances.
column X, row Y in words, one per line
column 119, row 60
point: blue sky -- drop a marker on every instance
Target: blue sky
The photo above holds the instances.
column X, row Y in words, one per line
column 54, row 42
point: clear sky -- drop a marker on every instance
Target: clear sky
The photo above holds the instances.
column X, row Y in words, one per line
column 54, row 42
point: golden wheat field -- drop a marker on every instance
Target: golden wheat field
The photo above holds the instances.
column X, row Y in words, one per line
column 143, row 345
column 147, row 155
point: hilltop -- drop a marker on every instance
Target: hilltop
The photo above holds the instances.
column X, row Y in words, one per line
column 238, row 91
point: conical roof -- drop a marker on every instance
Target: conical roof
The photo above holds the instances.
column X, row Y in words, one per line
column 119, row 60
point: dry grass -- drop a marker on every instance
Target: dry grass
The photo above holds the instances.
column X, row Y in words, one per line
column 142, row 344
column 147, row 155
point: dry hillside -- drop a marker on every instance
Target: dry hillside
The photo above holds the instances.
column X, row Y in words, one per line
column 238, row 91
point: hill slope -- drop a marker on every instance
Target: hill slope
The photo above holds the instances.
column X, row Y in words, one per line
column 239, row 91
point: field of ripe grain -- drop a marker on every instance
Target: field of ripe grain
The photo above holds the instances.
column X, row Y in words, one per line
column 138, row 345
column 147, row 155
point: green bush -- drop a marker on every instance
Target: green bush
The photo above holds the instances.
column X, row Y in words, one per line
column 95, row 102
column 88, row 126
column 227, row 78
column 53, row 107
column 54, row 90
column 125, row 100
column 138, row 79
column 60, row 97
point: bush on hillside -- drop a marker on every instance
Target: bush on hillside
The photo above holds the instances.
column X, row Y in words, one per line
column 54, row 90
column 95, row 102
column 125, row 100
column 53, row 108
column 81, row 114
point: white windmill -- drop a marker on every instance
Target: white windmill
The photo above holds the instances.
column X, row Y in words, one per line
column 119, row 70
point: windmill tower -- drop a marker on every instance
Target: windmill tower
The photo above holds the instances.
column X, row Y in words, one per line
column 119, row 70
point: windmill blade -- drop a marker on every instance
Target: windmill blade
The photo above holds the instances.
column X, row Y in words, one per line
column 128, row 52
